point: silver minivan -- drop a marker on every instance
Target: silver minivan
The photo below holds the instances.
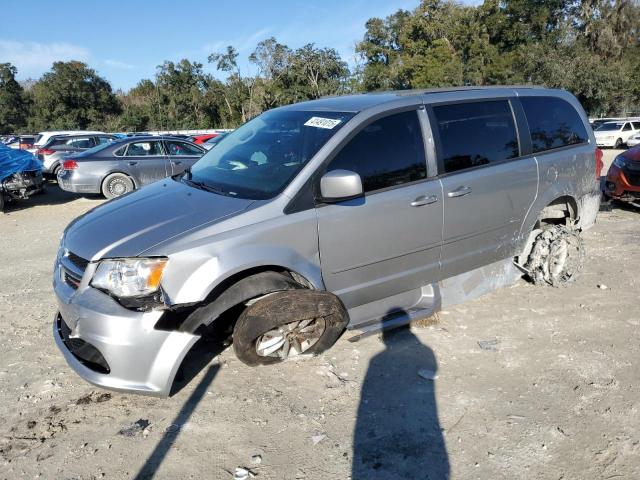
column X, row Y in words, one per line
column 358, row 212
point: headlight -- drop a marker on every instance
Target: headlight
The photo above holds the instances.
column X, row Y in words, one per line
column 619, row 161
column 129, row 277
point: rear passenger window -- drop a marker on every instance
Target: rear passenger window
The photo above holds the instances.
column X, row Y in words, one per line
column 386, row 153
column 627, row 127
column 553, row 123
column 475, row 133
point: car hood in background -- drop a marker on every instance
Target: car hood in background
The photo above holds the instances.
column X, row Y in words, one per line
column 127, row 226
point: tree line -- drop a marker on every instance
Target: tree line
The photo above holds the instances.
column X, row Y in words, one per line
column 589, row 47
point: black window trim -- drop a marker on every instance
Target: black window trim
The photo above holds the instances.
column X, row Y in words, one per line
column 516, row 113
column 555, row 149
column 124, row 154
column 165, row 146
column 374, row 118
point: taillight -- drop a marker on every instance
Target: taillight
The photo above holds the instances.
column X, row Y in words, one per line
column 599, row 163
column 45, row 151
column 70, row 165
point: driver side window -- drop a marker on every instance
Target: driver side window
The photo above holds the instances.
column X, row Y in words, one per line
column 386, row 153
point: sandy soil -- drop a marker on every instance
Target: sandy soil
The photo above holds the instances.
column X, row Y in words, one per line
column 526, row 382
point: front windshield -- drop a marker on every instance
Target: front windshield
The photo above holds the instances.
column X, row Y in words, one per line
column 260, row 158
column 607, row 127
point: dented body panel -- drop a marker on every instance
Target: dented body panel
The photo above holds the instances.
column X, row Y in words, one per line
column 390, row 256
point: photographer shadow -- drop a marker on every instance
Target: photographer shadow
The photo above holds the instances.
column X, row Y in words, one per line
column 398, row 434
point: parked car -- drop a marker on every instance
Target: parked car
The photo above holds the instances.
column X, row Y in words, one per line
column 633, row 140
column 212, row 142
column 623, row 178
column 122, row 166
column 200, row 139
column 20, row 175
column 43, row 137
column 616, row 134
column 365, row 211
column 59, row 146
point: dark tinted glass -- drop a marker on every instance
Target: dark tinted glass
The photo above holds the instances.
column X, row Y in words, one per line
column 553, row 123
column 385, row 153
column 476, row 133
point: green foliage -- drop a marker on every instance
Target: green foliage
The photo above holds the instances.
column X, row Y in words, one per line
column 13, row 104
column 71, row 96
column 589, row 47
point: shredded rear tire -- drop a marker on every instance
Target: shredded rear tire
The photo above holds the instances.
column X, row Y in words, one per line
column 557, row 256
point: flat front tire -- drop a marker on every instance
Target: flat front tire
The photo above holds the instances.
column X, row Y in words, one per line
column 287, row 324
column 116, row 184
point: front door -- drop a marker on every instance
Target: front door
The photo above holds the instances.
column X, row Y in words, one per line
column 487, row 187
column 182, row 155
column 388, row 241
column 146, row 162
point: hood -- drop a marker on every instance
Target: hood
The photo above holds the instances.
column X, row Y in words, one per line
column 632, row 154
column 127, row 226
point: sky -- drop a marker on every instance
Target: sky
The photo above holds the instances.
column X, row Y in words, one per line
column 124, row 41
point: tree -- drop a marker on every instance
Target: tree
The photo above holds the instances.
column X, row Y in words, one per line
column 13, row 106
column 316, row 72
column 72, row 96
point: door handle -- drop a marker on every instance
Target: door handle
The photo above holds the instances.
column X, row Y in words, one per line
column 132, row 163
column 424, row 200
column 459, row 192
column 176, row 162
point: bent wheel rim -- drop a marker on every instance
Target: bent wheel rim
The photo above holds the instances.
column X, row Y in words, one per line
column 291, row 339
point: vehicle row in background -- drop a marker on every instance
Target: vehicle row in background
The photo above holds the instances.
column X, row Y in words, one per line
column 617, row 133
column 124, row 165
column 52, row 153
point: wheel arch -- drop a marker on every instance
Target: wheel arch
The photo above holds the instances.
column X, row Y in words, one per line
column 128, row 175
column 231, row 292
column 561, row 209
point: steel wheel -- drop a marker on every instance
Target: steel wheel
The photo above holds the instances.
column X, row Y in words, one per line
column 291, row 339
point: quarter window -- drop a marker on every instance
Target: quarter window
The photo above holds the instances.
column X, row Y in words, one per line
column 182, row 148
column 385, row 153
column 475, row 133
column 553, row 123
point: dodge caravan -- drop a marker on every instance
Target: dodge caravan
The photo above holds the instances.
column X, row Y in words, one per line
column 358, row 212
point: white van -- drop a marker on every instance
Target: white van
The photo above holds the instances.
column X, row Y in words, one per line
column 616, row 134
column 43, row 137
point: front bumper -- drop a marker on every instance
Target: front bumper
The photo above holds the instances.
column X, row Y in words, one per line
column 601, row 142
column 111, row 346
column 22, row 185
column 618, row 186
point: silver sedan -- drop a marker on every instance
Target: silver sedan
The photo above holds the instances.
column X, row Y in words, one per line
column 126, row 165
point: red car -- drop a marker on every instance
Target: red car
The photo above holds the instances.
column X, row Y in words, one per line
column 203, row 138
column 623, row 178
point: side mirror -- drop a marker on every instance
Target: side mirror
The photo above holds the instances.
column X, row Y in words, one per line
column 338, row 185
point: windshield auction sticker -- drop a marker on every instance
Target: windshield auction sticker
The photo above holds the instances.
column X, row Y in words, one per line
column 320, row 122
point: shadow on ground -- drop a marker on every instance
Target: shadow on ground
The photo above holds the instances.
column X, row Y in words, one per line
column 52, row 195
column 398, row 434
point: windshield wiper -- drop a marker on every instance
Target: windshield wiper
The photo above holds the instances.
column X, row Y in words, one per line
column 205, row 186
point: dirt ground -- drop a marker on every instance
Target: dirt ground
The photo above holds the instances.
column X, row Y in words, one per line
column 526, row 382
